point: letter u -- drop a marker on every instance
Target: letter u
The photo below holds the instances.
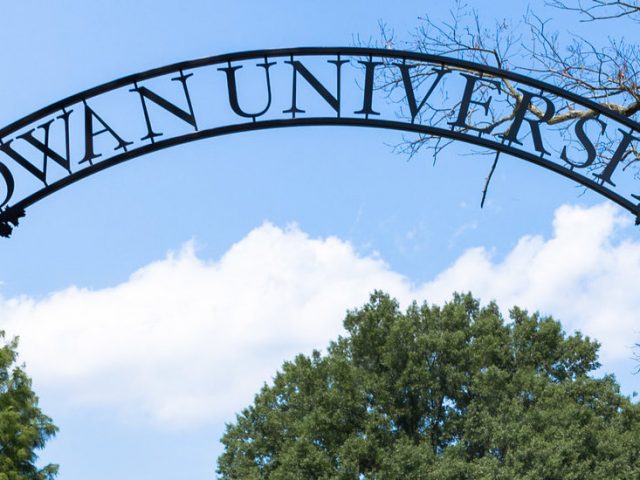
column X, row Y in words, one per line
column 233, row 89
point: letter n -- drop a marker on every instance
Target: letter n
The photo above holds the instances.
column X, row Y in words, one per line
column 184, row 115
column 299, row 68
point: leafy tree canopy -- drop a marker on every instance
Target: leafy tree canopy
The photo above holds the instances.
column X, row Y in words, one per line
column 23, row 426
column 448, row 392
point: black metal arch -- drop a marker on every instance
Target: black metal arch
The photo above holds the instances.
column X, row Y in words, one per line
column 10, row 213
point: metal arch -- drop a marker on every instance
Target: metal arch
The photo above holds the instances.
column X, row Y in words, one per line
column 11, row 214
column 315, row 51
column 328, row 121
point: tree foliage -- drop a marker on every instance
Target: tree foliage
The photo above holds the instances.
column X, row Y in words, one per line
column 23, row 427
column 448, row 392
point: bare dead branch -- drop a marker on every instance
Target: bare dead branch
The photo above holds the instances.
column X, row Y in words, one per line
column 608, row 73
column 488, row 179
column 592, row 10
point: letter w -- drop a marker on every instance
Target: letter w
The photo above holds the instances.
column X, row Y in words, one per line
column 47, row 151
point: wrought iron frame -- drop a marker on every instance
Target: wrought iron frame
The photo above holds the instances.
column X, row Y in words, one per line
column 10, row 215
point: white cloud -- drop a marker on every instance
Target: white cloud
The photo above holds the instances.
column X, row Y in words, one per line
column 188, row 340
column 582, row 276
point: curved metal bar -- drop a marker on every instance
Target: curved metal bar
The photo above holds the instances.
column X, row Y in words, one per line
column 327, row 121
column 10, row 215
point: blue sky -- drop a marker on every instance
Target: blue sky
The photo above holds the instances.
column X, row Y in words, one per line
column 155, row 298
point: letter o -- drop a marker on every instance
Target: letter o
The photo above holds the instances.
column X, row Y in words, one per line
column 9, row 184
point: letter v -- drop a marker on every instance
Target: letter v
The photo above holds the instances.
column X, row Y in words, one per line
column 414, row 108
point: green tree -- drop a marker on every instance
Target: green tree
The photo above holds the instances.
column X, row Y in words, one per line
column 23, row 426
column 448, row 392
